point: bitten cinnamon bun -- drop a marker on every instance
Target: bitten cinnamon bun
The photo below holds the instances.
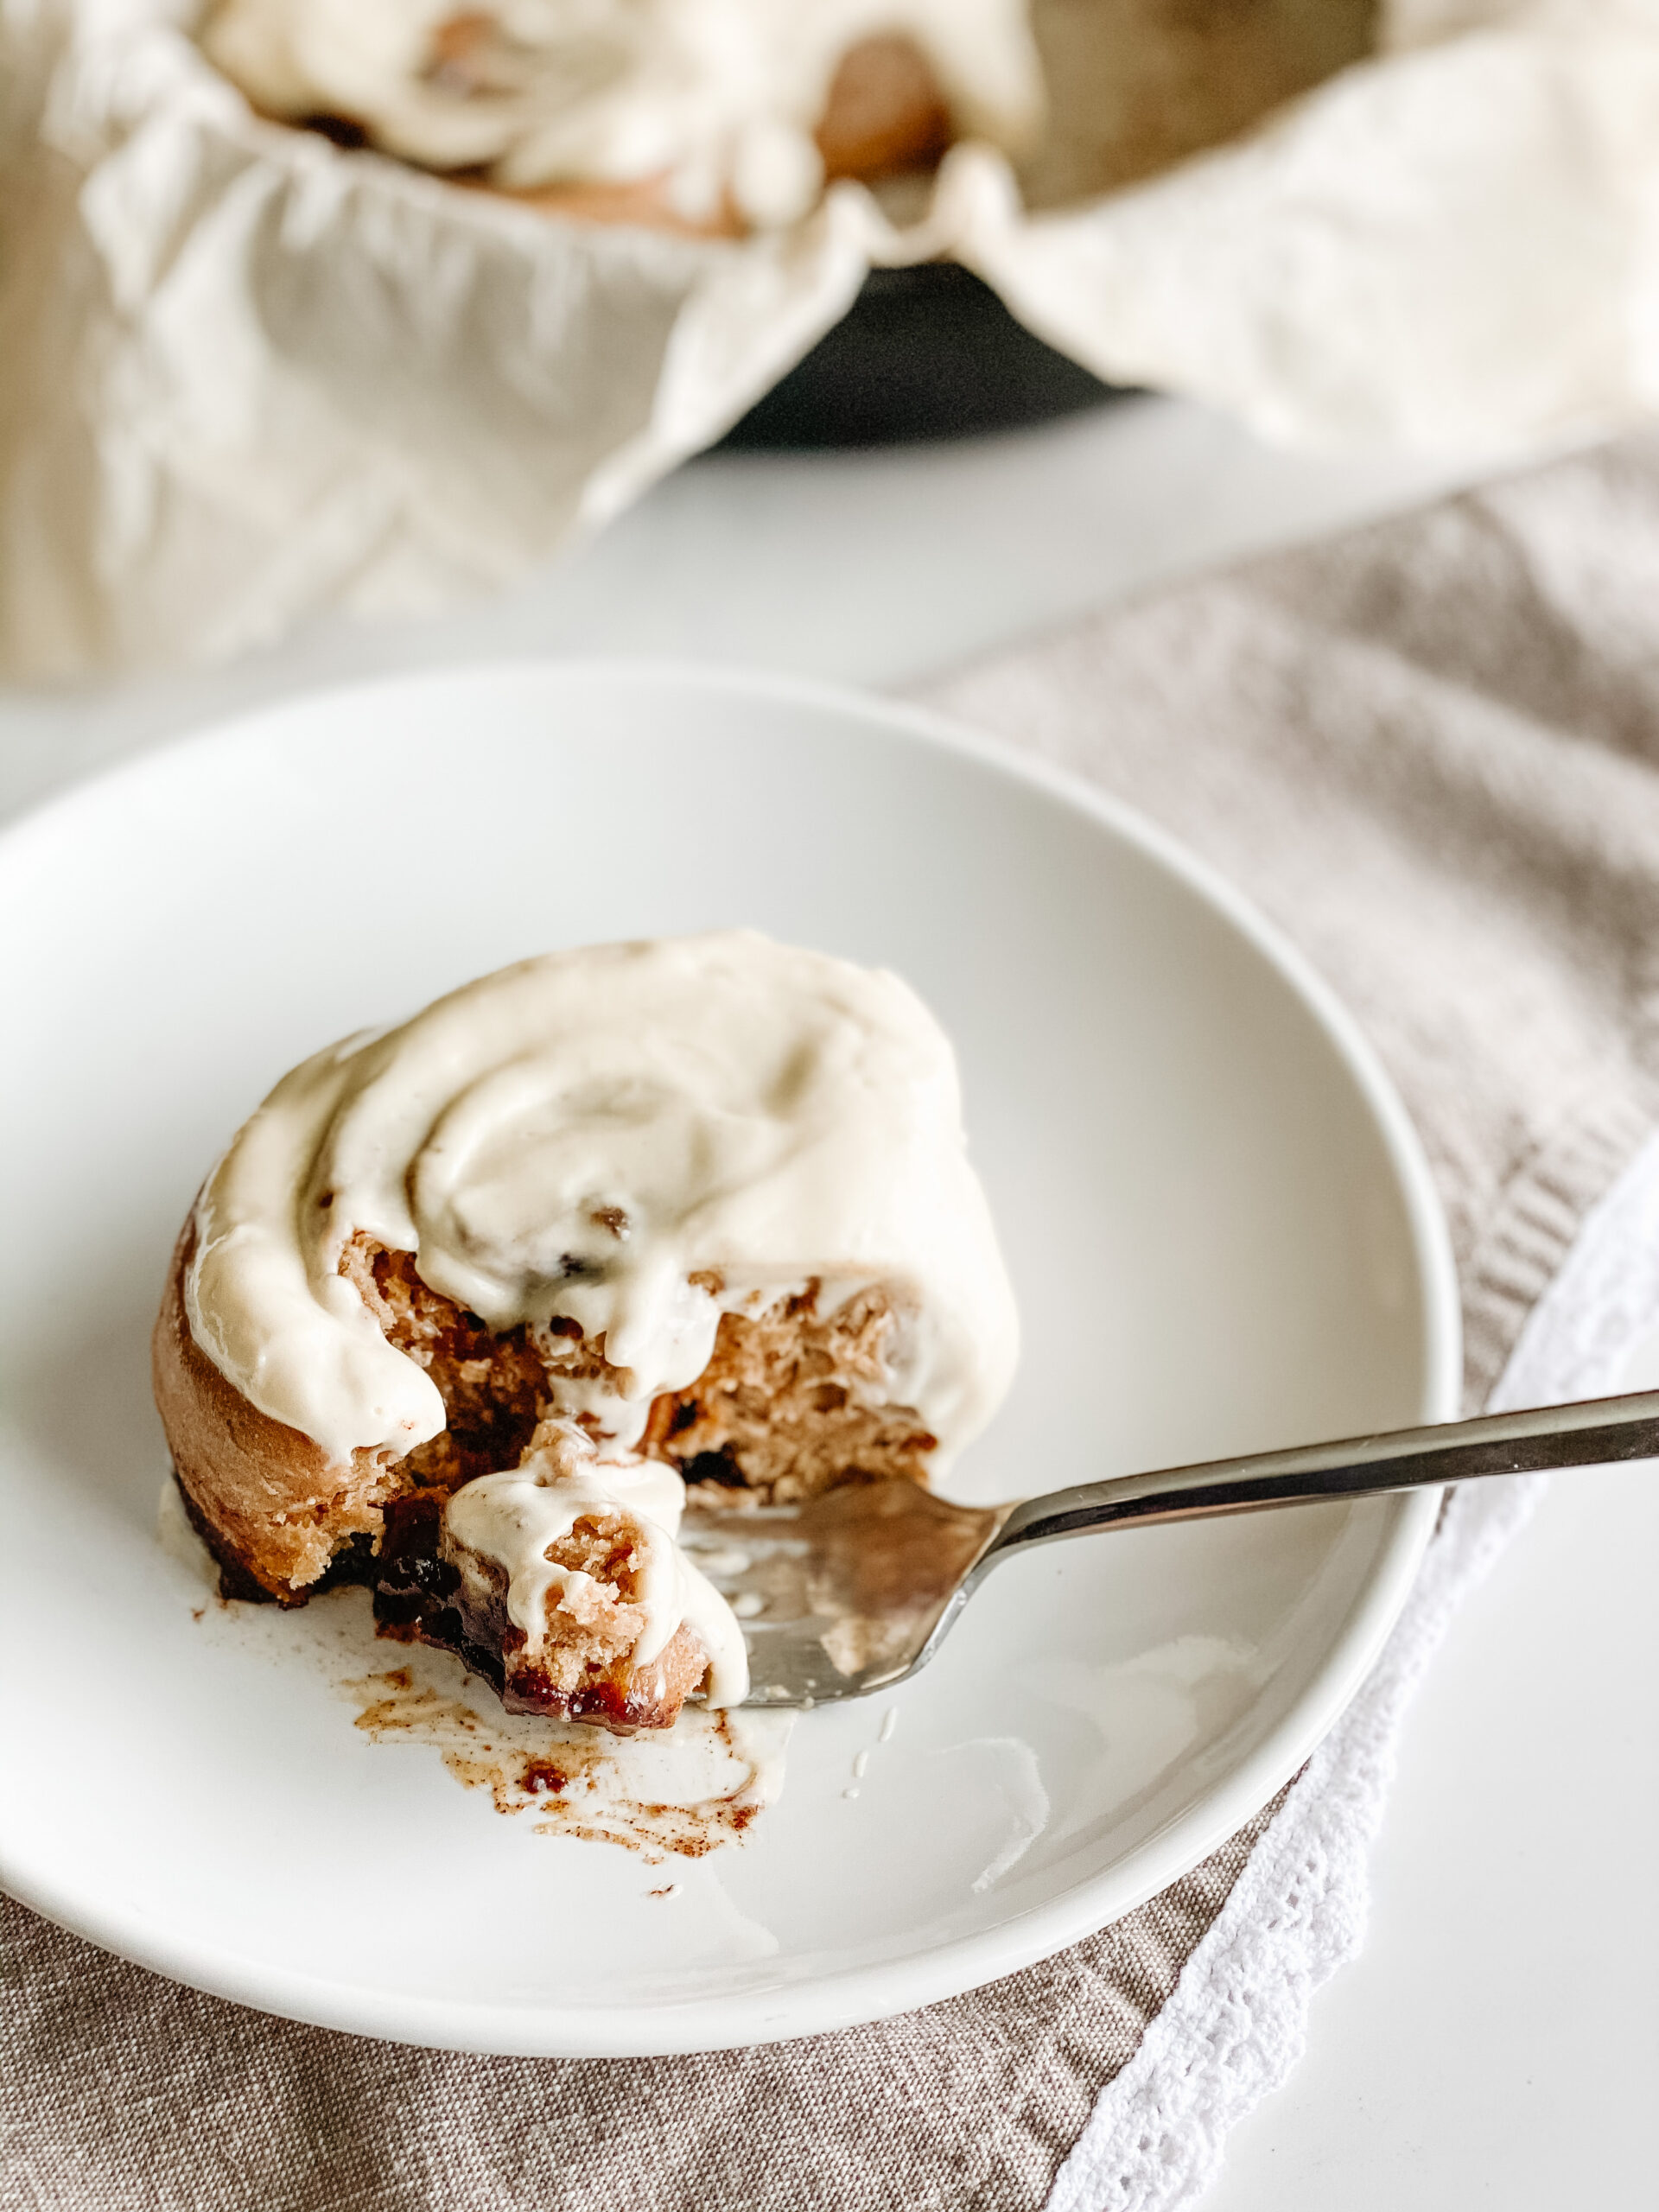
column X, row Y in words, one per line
column 470, row 1307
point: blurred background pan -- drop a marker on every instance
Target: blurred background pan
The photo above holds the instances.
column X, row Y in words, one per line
column 926, row 353
column 930, row 352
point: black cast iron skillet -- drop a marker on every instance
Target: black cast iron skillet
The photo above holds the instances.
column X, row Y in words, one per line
column 923, row 354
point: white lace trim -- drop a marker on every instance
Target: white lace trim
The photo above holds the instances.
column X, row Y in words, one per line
column 1236, row 2022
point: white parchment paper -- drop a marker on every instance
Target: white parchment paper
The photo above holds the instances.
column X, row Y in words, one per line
column 244, row 377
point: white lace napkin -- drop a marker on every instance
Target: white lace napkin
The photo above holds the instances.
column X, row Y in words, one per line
column 1237, row 2021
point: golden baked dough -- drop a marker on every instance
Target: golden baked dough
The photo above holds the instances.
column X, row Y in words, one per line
column 273, row 1509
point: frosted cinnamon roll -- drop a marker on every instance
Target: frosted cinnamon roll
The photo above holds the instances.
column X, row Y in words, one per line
column 469, row 1307
column 705, row 114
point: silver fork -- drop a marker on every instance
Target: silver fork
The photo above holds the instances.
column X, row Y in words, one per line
column 857, row 1588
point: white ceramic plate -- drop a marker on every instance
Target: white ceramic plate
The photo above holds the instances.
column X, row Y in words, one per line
column 1219, row 1222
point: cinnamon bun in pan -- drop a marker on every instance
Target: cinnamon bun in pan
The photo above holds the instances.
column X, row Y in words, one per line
column 703, row 115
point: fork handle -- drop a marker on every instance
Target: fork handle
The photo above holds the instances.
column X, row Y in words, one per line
column 1589, row 1435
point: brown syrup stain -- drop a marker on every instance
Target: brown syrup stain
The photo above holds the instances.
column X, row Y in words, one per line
column 579, row 1785
column 572, row 1780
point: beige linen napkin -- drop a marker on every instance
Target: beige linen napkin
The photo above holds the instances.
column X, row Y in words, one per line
column 1431, row 750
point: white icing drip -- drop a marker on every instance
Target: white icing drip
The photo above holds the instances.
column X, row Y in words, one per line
column 513, row 1517
column 576, row 1137
column 718, row 98
column 268, row 1303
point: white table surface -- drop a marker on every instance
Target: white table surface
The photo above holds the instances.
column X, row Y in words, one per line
column 1496, row 2044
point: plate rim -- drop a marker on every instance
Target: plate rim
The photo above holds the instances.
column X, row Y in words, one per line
column 862, row 1993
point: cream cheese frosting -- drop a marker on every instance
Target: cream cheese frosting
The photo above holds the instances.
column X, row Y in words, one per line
column 580, row 1136
column 720, row 98
column 515, row 1517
